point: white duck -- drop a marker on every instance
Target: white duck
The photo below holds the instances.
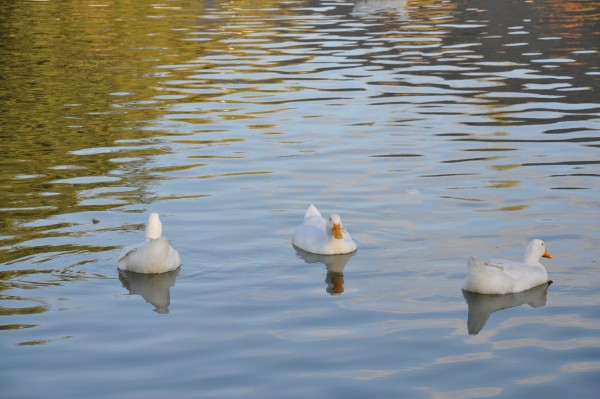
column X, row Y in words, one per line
column 155, row 255
column 504, row 277
column 323, row 237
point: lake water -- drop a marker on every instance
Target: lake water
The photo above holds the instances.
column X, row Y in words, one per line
column 437, row 129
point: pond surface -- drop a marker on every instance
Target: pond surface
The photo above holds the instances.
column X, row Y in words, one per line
column 436, row 129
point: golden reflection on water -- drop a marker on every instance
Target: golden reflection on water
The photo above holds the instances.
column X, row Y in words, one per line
column 83, row 87
column 79, row 113
column 41, row 341
column 68, row 82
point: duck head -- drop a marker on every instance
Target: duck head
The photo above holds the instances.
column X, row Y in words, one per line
column 536, row 250
column 154, row 227
column 334, row 226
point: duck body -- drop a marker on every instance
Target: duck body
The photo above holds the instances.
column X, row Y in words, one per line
column 155, row 255
column 499, row 276
column 318, row 235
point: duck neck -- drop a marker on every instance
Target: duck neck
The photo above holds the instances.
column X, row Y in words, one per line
column 153, row 229
column 531, row 259
column 334, row 243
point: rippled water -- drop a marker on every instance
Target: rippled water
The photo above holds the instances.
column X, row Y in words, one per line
column 437, row 129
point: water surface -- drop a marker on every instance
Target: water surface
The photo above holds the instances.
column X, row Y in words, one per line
column 437, row 129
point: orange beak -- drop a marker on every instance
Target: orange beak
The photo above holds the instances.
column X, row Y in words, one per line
column 547, row 254
column 337, row 231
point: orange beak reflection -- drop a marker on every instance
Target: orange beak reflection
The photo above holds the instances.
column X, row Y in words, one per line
column 337, row 231
column 547, row 254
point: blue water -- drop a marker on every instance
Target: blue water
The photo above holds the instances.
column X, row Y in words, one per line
column 436, row 129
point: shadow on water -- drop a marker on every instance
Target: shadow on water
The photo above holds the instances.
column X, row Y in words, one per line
column 154, row 288
column 334, row 264
column 481, row 306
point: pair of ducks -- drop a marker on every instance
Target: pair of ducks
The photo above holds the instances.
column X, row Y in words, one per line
column 327, row 237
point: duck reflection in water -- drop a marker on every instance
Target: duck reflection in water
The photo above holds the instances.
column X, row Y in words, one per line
column 334, row 264
column 380, row 6
column 481, row 306
column 154, row 288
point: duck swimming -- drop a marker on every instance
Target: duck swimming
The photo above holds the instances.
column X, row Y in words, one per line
column 324, row 237
column 155, row 255
column 499, row 276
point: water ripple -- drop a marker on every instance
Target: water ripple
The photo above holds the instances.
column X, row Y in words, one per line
column 437, row 129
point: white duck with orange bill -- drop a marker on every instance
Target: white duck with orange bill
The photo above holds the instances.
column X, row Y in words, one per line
column 499, row 276
column 323, row 236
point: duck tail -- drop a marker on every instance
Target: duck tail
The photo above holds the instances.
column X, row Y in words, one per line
column 474, row 263
column 312, row 211
column 476, row 274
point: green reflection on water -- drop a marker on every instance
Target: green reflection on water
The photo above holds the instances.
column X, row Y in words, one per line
column 84, row 96
column 76, row 81
column 64, row 66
